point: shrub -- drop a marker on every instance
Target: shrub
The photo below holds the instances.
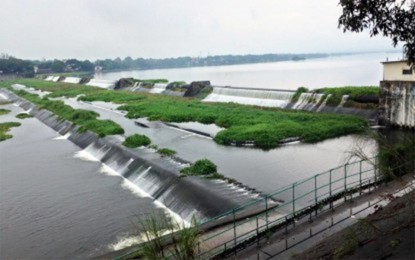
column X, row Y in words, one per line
column 166, row 152
column 23, row 116
column 5, row 127
column 136, row 140
column 4, row 111
column 200, row 167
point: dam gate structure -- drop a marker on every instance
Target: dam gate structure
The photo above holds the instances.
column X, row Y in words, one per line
column 397, row 95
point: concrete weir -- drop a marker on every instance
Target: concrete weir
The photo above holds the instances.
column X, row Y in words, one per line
column 148, row 172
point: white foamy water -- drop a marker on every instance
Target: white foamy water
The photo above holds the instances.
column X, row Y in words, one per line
column 73, row 80
column 108, row 84
column 263, row 98
column 63, row 137
column 158, row 88
column 86, row 156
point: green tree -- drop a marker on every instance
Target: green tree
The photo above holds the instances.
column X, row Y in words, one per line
column 57, row 66
column 391, row 18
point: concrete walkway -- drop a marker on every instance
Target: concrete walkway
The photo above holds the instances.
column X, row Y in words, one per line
column 301, row 236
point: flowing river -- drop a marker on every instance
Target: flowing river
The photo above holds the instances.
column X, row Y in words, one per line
column 57, row 201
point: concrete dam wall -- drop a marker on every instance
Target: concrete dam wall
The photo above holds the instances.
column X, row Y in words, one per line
column 397, row 103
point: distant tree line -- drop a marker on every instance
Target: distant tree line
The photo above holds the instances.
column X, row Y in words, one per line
column 140, row 63
column 11, row 65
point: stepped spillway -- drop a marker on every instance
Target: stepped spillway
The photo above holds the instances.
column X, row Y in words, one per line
column 256, row 97
column 158, row 88
column 108, row 84
column 73, row 80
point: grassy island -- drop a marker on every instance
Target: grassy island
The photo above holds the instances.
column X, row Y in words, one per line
column 136, row 140
column 4, row 128
column 263, row 127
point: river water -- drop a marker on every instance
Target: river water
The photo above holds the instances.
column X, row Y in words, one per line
column 56, row 202
column 346, row 70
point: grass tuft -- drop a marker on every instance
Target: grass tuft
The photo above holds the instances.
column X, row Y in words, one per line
column 136, row 140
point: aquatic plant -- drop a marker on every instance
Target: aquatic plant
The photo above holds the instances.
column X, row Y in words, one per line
column 86, row 120
column 136, row 140
column 5, row 127
column 166, row 152
column 200, row 167
column 354, row 92
column 23, row 116
column 262, row 127
column 4, row 111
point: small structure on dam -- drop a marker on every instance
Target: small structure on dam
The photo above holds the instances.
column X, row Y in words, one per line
column 397, row 95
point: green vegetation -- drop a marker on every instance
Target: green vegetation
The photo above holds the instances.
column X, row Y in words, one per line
column 298, row 93
column 151, row 81
column 5, row 102
column 200, row 167
column 265, row 127
column 87, row 120
column 11, row 65
column 354, row 92
column 4, row 111
column 4, row 128
column 166, row 152
column 136, row 140
column 154, row 227
column 23, row 116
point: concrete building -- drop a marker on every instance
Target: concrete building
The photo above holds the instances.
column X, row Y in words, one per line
column 397, row 94
column 397, row 71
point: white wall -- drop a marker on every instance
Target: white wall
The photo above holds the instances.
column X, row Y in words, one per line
column 393, row 72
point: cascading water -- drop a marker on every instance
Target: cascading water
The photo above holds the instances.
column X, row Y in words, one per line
column 308, row 101
column 158, row 88
column 108, row 84
column 257, row 97
column 323, row 104
column 73, row 80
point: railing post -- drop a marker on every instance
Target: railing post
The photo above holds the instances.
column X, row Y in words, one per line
column 374, row 169
column 331, row 203
column 257, row 233
column 293, row 199
column 266, row 212
column 360, row 178
column 234, row 227
column 345, row 182
column 315, row 189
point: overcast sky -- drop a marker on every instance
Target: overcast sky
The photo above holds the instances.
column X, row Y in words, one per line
column 95, row 29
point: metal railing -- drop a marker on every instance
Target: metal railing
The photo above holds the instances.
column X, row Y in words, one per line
column 288, row 203
column 285, row 206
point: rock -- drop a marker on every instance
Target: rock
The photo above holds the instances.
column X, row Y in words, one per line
column 124, row 83
column 196, row 87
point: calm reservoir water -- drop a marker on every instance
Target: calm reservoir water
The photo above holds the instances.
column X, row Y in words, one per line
column 346, row 70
